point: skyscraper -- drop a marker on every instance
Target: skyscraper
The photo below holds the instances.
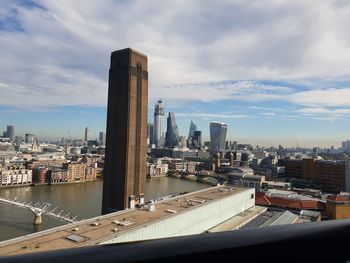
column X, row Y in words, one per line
column 29, row 138
column 158, row 138
column 197, row 139
column 10, row 132
column 218, row 132
column 150, row 129
column 126, row 149
column 193, row 128
column 100, row 138
column 18, row 140
column 86, row 134
column 172, row 137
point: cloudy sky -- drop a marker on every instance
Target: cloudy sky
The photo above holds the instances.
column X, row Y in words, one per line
column 276, row 71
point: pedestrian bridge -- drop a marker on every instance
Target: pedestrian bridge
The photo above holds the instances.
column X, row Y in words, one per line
column 39, row 209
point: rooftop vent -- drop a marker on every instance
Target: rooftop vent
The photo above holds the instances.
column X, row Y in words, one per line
column 122, row 223
column 76, row 238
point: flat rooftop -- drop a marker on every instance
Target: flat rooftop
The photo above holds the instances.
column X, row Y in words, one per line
column 99, row 229
column 239, row 220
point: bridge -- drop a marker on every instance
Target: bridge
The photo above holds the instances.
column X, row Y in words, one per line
column 42, row 208
column 220, row 177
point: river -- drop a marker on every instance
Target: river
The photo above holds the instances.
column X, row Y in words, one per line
column 83, row 200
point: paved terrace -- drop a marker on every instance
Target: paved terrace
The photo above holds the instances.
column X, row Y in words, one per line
column 97, row 230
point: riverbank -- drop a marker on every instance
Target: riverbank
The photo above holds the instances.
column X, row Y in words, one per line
column 45, row 184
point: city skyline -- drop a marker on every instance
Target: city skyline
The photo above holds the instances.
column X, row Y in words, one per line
column 276, row 73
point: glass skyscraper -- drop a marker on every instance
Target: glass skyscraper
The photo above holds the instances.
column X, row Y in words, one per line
column 193, row 128
column 172, row 137
column 218, row 132
column 10, row 132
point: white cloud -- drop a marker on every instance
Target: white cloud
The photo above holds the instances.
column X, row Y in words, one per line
column 323, row 113
column 269, row 114
column 250, row 91
column 212, row 116
column 326, row 97
column 62, row 56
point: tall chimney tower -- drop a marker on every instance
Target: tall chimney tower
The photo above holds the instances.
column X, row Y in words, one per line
column 126, row 134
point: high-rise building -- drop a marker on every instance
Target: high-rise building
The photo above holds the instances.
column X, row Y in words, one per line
column 86, row 134
column 18, row 140
column 346, row 146
column 150, row 129
column 101, row 138
column 197, row 139
column 126, row 149
column 158, row 133
column 218, row 132
column 172, row 137
column 29, row 138
column 193, row 128
column 10, row 132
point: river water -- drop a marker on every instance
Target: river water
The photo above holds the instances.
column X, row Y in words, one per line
column 83, row 200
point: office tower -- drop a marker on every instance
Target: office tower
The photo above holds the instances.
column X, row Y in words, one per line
column 158, row 138
column 150, row 127
column 86, row 134
column 29, row 138
column 18, row 140
column 126, row 134
column 100, row 138
column 10, row 132
column 172, row 137
column 346, row 146
column 197, row 139
column 218, row 132
column 193, row 128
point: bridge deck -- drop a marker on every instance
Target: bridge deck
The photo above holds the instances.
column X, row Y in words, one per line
column 99, row 229
column 43, row 208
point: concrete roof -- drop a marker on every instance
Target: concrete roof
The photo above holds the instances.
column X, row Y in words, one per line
column 99, row 229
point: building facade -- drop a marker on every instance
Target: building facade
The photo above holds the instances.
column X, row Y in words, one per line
column 218, row 133
column 15, row 175
column 29, row 138
column 158, row 133
column 172, row 138
column 86, row 136
column 150, row 129
column 101, row 138
column 329, row 176
column 126, row 140
column 197, row 139
column 10, row 132
column 157, row 168
column 193, row 128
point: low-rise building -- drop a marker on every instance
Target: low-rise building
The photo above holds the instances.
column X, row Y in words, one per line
column 15, row 175
column 329, row 176
column 157, row 168
column 289, row 200
column 244, row 177
column 178, row 165
column 76, row 172
column 338, row 207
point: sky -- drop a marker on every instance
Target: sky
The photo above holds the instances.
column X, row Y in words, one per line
column 277, row 72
